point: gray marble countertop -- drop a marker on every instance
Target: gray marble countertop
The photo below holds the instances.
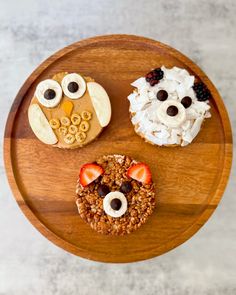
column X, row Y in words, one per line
column 30, row 31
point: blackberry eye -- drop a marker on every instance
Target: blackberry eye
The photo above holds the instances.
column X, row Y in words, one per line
column 126, row 187
column 162, row 95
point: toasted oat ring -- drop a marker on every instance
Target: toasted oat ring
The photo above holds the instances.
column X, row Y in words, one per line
column 69, row 138
column 84, row 126
column 72, row 129
column 86, row 115
column 80, row 136
column 54, row 123
column 75, row 119
column 63, row 130
column 65, row 121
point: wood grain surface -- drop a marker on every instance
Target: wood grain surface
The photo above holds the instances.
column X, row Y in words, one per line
column 190, row 181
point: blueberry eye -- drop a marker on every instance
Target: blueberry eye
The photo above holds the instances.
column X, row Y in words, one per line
column 126, row 187
column 103, row 190
column 162, row 95
column 186, row 101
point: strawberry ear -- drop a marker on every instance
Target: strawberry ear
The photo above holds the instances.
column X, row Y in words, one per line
column 140, row 172
column 90, row 172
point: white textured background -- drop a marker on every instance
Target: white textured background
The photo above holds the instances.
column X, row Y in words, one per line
column 30, row 31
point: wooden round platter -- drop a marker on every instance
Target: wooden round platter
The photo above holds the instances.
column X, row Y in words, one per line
column 190, row 181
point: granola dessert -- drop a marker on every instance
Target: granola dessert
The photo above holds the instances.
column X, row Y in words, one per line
column 168, row 106
column 69, row 110
column 115, row 195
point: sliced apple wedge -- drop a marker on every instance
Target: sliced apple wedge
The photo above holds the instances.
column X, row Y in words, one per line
column 40, row 125
column 101, row 102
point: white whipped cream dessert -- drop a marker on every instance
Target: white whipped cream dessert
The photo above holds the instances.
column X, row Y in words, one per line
column 171, row 112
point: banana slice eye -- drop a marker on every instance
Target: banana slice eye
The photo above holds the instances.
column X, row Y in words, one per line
column 73, row 86
column 49, row 93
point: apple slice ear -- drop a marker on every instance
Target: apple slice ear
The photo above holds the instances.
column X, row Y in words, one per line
column 40, row 125
column 101, row 102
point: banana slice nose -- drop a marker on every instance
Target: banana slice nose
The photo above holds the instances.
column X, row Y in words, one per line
column 115, row 204
column 171, row 113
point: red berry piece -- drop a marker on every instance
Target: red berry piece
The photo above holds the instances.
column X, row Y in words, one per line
column 154, row 76
column 89, row 172
column 140, row 172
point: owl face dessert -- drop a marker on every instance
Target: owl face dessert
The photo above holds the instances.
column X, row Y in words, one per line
column 69, row 110
column 115, row 194
column 168, row 106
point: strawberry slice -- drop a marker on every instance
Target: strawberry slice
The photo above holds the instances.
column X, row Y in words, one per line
column 89, row 172
column 140, row 172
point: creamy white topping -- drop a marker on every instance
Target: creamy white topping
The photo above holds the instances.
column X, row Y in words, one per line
column 149, row 114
